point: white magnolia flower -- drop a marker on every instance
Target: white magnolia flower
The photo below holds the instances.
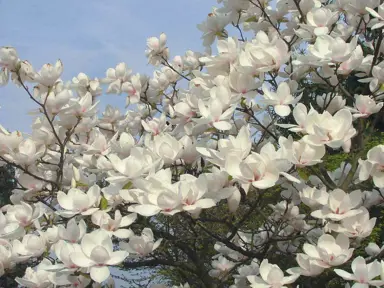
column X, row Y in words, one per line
column 141, row 246
column 373, row 249
column 157, row 51
column 340, row 205
column 8, row 57
column 49, row 74
column 308, row 265
column 167, row 147
column 364, row 274
column 73, row 233
column 330, row 102
column 30, row 246
column 359, row 225
column 38, row 278
column 116, row 77
column 314, row 198
column 81, row 107
column 63, row 251
column 28, row 152
column 329, row 251
column 24, row 214
column 331, row 50
column 365, row 106
column 281, row 99
column 96, row 254
column 221, row 267
column 319, row 20
column 114, row 227
column 271, row 276
column 373, row 166
column 78, row 202
column 7, row 259
column 301, row 153
column 378, row 21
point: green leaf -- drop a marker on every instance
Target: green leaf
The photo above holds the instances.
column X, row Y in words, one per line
column 127, row 186
column 103, row 203
column 80, row 184
column 251, row 19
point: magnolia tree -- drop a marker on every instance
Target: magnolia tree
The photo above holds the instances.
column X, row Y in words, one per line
column 219, row 167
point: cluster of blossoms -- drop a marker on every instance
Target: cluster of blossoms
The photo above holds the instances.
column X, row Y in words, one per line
column 205, row 132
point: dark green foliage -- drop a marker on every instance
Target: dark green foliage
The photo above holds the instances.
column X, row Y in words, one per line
column 7, row 183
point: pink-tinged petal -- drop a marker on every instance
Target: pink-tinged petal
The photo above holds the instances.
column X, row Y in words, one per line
column 117, row 257
column 311, row 251
column 222, row 125
column 87, row 244
column 321, row 31
column 99, row 274
column 378, row 180
column 345, row 275
column 373, row 12
column 67, row 214
column 156, row 244
column 360, row 269
column 205, row 203
column 257, row 282
column 374, row 269
column 123, row 233
column 290, row 279
column 275, row 275
column 90, row 211
column 81, row 260
column 146, row 210
column 93, row 194
column 64, row 200
column 290, row 177
column 234, row 201
column 128, row 220
column 282, row 110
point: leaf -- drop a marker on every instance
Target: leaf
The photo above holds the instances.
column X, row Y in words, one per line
column 80, row 184
column 127, row 186
column 103, row 203
column 251, row 19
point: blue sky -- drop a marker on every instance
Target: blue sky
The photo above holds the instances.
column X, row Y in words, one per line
column 91, row 36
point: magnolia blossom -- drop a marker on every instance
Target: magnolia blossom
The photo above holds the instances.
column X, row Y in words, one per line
column 30, row 246
column 308, row 265
column 221, row 267
column 378, row 22
column 300, row 153
column 141, row 246
column 340, row 205
column 157, row 50
column 73, row 232
column 373, row 166
column 116, row 77
column 281, row 99
column 78, row 202
column 314, row 198
column 115, row 226
column 359, row 225
column 330, row 103
column 96, row 254
column 363, row 273
column 49, row 74
column 198, row 153
column 365, row 106
column 36, row 278
column 24, row 214
column 271, row 276
column 373, row 249
column 329, row 251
